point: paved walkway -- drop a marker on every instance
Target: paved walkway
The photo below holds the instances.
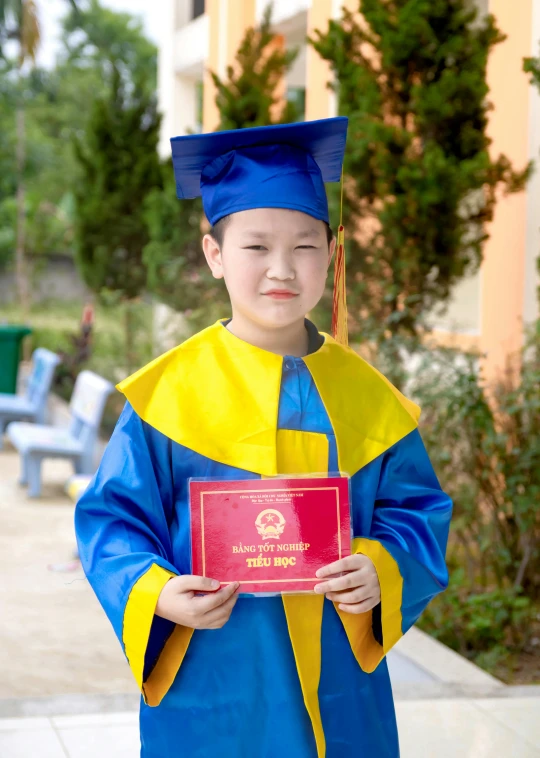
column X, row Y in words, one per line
column 482, row 728
column 54, row 638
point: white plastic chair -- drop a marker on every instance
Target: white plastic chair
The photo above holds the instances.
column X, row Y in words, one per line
column 77, row 442
column 32, row 406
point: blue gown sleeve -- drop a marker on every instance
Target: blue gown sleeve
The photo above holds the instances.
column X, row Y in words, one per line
column 406, row 540
column 122, row 527
column 411, row 520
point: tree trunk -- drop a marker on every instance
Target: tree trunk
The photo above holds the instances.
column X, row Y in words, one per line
column 21, row 272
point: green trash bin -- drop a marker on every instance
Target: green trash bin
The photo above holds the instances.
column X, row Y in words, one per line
column 11, row 338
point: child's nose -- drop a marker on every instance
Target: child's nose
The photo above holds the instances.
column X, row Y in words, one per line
column 281, row 267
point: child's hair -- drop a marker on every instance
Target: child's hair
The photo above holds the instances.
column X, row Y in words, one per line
column 218, row 231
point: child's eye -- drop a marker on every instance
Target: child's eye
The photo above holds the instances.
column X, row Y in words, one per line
column 307, row 247
column 254, row 247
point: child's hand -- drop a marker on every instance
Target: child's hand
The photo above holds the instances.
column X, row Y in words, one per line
column 357, row 591
column 179, row 603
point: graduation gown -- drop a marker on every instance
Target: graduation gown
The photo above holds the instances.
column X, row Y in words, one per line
column 290, row 675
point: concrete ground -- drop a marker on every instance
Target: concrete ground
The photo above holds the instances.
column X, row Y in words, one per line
column 66, row 690
column 54, row 638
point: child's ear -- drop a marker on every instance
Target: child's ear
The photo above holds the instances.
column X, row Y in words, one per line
column 331, row 250
column 212, row 253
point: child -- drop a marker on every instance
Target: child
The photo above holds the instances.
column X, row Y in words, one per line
column 263, row 394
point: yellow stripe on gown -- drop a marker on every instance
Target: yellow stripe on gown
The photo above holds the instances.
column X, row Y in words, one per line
column 304, row 453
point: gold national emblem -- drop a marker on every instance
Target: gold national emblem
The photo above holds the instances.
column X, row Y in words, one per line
column 270, row 524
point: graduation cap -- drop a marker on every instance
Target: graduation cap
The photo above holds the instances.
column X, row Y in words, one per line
column 280, row 166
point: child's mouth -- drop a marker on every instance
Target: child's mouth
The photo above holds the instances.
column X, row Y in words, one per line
column 281, row 295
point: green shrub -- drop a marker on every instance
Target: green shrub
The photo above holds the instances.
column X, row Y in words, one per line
column 485, row 446
column 476, row 623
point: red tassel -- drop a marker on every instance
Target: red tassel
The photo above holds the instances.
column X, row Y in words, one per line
column 339, row 301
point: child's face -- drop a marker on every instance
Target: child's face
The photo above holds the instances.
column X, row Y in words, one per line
column 267, row 251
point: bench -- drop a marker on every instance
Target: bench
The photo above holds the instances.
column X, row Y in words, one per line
column 77, row 442
column 32, row 406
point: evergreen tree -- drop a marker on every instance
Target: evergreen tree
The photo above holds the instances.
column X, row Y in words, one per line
column 19, row 22
column 100, row 38
column 120, row 166
column 173, row 255
column 250, row 94
column 532, row 66
column 420, row 184
column 55, row 102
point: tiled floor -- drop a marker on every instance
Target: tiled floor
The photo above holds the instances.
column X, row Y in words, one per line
column 495, row 728
column 469, row 728
column 96, row 736
column 517, row 714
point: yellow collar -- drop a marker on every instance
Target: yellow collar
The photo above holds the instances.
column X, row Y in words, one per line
column 219, row 396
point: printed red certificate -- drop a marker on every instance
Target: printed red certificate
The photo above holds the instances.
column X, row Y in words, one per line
column 271, row 535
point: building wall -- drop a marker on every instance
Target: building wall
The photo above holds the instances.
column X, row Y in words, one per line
column 503, row 269
column 532, row 244
column 55, row 278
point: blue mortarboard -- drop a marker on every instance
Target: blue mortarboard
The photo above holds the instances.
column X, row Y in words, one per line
column 282, row 166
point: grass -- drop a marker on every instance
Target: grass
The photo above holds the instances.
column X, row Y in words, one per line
column 55, row 324
column 59, row 316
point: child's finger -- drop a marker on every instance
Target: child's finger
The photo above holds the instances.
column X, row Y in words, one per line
column 350, row 563
column 218, row 616
column 209, row 602
column 192, row 583
column 356, row 608
column 351, row 580
column 357, row 595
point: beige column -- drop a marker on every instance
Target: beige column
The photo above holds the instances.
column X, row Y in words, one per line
column 165, row 88
column 321, row 101
column 228, row 22
column 318, row 72
column 215, row 44
column 503, row 269
column 278, row 43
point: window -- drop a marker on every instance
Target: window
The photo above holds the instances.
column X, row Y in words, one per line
column 197, row 8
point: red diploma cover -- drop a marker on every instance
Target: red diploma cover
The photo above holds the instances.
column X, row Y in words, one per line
column 271, row 535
